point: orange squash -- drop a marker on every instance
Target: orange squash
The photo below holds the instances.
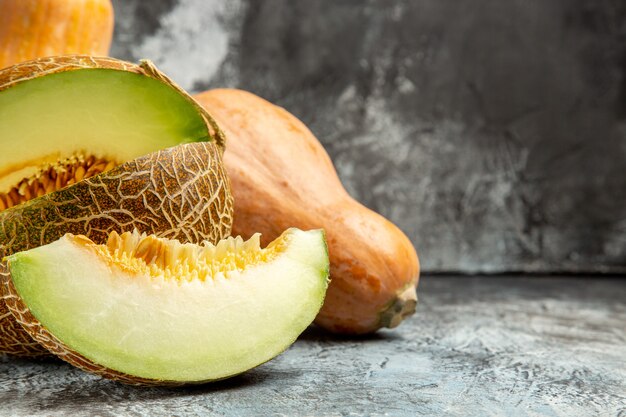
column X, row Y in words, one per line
column 281, row 177
column 32, row 29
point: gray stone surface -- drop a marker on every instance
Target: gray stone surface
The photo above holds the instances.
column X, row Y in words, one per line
column 492, row 131
column 507, row 346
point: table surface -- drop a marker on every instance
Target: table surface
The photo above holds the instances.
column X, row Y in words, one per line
column 478, row 346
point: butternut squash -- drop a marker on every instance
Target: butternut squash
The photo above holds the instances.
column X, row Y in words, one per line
column 282, row 177
column 32, row 29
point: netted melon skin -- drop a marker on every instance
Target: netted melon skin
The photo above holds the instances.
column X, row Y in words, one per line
column 28, row 70
column 15, row 340
column 180, row 193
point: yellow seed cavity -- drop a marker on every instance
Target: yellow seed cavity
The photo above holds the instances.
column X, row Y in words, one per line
column 54, row 176
column 169, row 259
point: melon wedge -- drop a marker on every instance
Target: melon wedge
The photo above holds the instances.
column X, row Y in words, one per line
column 142, row 309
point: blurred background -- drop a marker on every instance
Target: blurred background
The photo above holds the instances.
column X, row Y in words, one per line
column 493, row 132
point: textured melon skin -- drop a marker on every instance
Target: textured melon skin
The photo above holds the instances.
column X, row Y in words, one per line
column 180, row 193
column 13, row 338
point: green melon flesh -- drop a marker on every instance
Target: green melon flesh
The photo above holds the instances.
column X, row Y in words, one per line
column 106, row 112
column 174, row 330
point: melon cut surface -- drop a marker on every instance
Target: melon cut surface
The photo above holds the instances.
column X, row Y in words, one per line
column 111, row 113
column 142, row 309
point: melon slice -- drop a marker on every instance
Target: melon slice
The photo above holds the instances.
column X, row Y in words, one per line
column 143, row 309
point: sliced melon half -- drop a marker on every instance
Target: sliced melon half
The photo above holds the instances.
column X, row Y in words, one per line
column 143, row 309
column 74, row 108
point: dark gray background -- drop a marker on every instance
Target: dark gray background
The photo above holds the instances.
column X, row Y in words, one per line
column 493, row 132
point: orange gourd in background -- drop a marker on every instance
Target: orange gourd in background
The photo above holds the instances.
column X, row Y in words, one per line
column 31, row 29
column 281, row 176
